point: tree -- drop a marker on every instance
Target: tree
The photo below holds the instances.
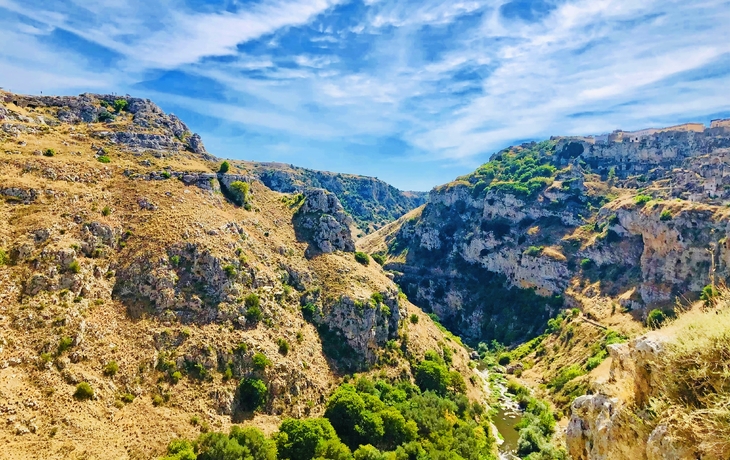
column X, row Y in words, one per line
column 432, row 376
column 239, row 192
column 225, row 166
column 300, row 439
column 252, row 394
column 345, row 410
column 255, row 441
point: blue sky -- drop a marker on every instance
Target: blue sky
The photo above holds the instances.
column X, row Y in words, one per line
column 413, row 92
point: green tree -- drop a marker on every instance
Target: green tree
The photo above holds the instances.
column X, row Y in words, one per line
column 432, row 376
column 225, row 166
column 252, row 394
column 255, row 441
column 299, row 439
column 239, row 192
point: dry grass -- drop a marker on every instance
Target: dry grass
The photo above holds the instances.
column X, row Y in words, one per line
column 695, row 388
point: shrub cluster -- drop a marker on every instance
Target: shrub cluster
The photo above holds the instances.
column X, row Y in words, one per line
column 364, row 419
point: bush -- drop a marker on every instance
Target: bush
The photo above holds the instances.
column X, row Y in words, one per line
column 260, row 361
column 166, row 174
column 175, row 260
column 566, row 375
column 367, row 452
column 74, row 266
column 379, row 258
column 49, row 152
column 106, row 211
column 111, row 369
column 655, row 318
column 105, row 115
column 641, row 200
column 665, row 215
column 308, row 311
column 300, row 439
column 362, row 258
column 239, row 192
column 432, row 376
column 414, row 318
column 64, row 344
column 504, row 359
column 225, row 166
column 4, row 258
column 708, row 295
column 586, row 264
column 103, row 159
column 120, row 105
column 83, row 391
column 230, row 271
column 252, row 394
column 283, row 346
column 533, row 251
column 253, row 308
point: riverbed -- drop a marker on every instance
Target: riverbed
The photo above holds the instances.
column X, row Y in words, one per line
column 507, row 417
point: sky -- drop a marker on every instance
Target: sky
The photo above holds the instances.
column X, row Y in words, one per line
column 412, row 92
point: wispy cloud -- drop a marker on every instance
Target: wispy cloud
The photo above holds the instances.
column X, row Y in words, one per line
column 441, row 82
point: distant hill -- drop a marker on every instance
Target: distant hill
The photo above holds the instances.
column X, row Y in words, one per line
column 371, row 202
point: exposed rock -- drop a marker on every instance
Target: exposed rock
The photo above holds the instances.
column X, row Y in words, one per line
column 323, row 221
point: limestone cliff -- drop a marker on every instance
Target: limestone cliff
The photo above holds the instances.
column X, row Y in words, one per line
column 494, row 253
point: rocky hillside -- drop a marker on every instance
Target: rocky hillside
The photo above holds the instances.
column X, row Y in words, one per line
column 140, row 289
column 371, row 202
column 625, row 225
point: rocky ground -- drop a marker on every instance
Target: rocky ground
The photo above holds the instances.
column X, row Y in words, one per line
column 127, row 265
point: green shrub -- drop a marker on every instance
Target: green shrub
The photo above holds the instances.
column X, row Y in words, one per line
column 504, row 359
column 308, row 311
column 283, row 346
column 103, row 159
column 253, row 308
column 225, row 166
column 120, row 105
column 106, row 211
column 175, row 260
column 166, row 174
column 367, row 452
column 252, row 394
column 362, row 258
column 432, row 376
column 665, row 215
column 300, row 439
column 566, row 375
column 586, row 264
column 379, row 258
column 708, row 295
column 49, row 152
column 74, row 266
column 4, row 258
column 260, row 361
column 655, row 318
column 239, row 192
column 64, row 344
column 175, row 377
column 83, row 391
column 414, row 318
column 641, row 200
column 105, row 115
column 180, row 449
column 533, row 251
column 230, row 271
column 111, row 369
column 127, row 398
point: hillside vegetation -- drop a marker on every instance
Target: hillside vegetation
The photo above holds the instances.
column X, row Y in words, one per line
column 148, row 293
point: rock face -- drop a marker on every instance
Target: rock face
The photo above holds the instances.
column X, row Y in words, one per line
column 371, row 202
column 151, row 128
column 498, row 246
column 603, row 428
column 323, row 222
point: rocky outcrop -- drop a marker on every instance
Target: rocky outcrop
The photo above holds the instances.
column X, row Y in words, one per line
column 371, row 202
column 152, row 128
column 323, row 222
column 603, row 427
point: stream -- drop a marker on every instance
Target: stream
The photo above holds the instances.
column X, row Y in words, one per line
column 508, row 415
